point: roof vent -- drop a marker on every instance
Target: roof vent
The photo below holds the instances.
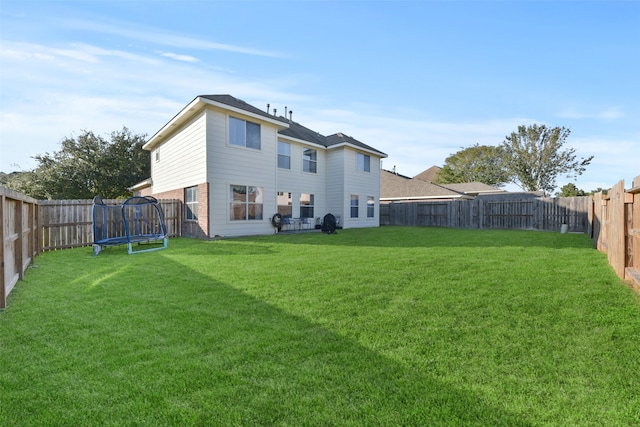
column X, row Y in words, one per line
column 268, row 105
column 290, row 115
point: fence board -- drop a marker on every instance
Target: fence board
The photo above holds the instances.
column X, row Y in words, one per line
column 522, row 214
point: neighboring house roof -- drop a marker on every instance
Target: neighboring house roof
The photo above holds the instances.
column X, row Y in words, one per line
column 394, row 187
column 429, row 175
column 474, row 188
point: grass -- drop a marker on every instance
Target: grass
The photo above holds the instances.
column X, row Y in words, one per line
column 389, row 326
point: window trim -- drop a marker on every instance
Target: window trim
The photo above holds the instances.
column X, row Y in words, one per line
column 371, row 207
column 192, row 206
column 308, row 162
column 356, row 206
column 365, row 166
column 246, row 203
column 310, row 206
column 245, row 133
column 281, row 155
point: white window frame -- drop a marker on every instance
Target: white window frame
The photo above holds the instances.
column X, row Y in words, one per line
column 371, row 207
column 284, row 154
column 246, row 205
column 285, row 204
column 307, row 203
column 191, row 203
column 310, row 160
column 352, row 206
column 240, row 136
column 364, row 162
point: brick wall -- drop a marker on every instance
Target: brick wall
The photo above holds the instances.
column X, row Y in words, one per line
column 200, row 228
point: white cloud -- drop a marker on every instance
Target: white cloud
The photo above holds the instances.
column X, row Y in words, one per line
column 164, row 38
column 178, row 57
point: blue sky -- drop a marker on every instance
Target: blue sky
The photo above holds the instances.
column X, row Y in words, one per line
column 419, row 80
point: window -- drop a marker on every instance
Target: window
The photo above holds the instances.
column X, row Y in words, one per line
column 243, row 133
column 191, row 202
column 285, row 204
column 310, row 161
column 354, row 206
column 364, row 162
column 306, row 205
column 284, row 155
column 371, row 206
column 246, row 203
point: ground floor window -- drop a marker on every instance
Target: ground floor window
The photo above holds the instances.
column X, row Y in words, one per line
column 306, row 205
column 371, row 206
column 246, row 202
column 191, row 202
column 285, row 204
column 354, row 205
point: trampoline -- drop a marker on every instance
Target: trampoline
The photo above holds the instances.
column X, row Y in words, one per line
column 139, row 220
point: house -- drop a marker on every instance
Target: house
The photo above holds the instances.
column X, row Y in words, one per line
column 399, row 188
column 235, row 166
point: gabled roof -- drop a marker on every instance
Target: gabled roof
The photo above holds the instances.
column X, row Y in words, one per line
column 242, row 105
column 286, row 127
column 338, row 139
column 297, row 131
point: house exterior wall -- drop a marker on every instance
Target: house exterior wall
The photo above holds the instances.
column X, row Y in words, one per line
column 298, row 182
column 233, row 165
column 180, row 161
column 336, row 184
column 363, row 185
column 199, row 153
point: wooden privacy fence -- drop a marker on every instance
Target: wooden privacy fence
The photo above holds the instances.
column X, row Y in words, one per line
column 29, row 226
column 19, row 236
column 616, row 229
column 69, row 223
column 547, row 214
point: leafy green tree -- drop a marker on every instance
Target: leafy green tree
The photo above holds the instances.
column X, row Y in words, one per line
column 478, row 163
column 570, row 190
column 534, row 157
column 87, row 166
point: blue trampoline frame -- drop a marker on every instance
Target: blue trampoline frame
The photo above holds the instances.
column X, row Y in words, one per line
column 137, row 220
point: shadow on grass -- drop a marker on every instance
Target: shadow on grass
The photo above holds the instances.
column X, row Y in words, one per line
column 179, row 348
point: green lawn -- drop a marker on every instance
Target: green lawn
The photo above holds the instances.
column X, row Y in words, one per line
column 384, row 327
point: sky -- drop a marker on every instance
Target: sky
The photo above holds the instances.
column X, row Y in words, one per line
column 418, row 80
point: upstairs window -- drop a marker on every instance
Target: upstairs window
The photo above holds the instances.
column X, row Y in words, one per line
column 310, row 161
column 306, row 205
column 246, row 203
column 191, row 202
column 364, row 162
column 244, row 134
column 284, row 155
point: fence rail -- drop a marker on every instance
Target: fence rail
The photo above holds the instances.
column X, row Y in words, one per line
column 69, row 223
column 19, row 237
column 547, row 214
column 616, row 229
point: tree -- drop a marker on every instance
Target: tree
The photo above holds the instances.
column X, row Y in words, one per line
column 570, row 190
column 534, row 157
column 87, row 166
column 478, row 163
